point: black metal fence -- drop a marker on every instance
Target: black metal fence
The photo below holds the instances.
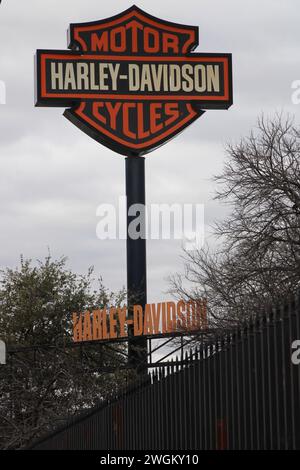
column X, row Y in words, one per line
column 240, row 391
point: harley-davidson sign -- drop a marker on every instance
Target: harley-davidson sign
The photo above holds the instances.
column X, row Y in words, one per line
column 151, row 320
column 131, row 81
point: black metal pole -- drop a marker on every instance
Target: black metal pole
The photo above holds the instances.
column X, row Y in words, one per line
column 136, row 255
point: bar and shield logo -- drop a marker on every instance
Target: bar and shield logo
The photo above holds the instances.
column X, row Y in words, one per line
column 131, row 81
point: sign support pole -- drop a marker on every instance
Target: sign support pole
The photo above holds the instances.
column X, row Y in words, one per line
column 136, row 256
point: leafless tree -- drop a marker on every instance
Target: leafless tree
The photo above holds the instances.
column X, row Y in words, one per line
column 257, row 258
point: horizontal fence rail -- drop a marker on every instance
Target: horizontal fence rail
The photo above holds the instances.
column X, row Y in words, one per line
column 239, row 391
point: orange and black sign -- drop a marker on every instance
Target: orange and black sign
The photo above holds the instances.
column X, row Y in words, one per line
column 131, row 81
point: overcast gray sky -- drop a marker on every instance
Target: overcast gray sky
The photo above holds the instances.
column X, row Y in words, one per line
column 53, row 177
